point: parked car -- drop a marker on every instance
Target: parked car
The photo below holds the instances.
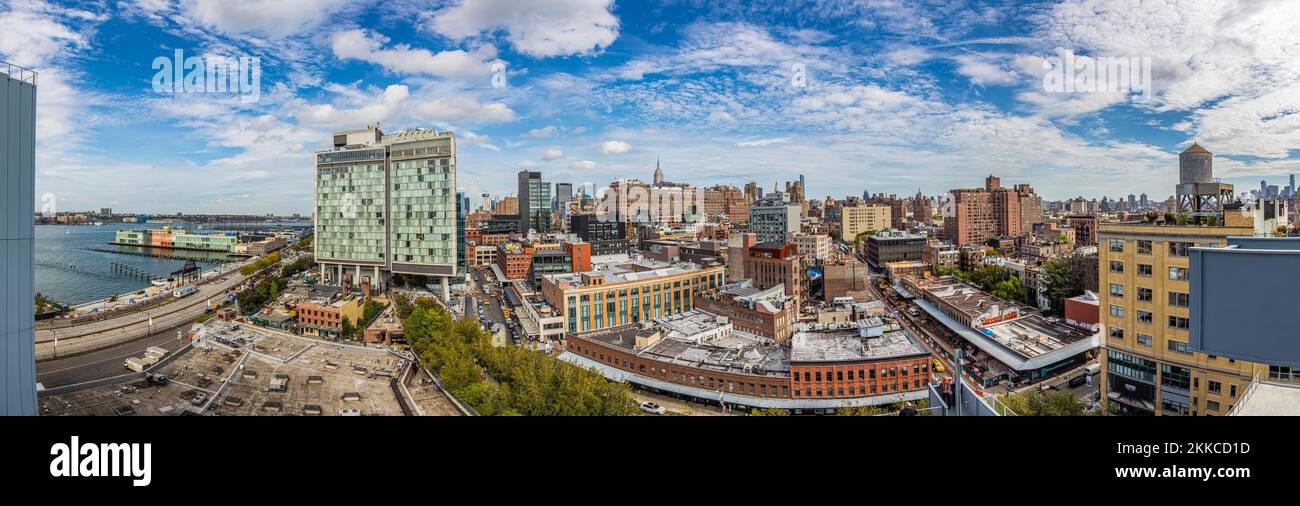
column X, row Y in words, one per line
column 652, row 408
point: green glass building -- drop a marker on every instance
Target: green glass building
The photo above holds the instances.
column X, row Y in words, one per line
column 386, row 204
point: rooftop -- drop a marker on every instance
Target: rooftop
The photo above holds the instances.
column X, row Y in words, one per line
column 621, row 272
column 1265, row 398
column 846, row 343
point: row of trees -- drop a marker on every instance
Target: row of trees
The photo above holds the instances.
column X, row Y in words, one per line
column 1039, row 403
column 261, row 263
column 992, row 279
column 505, row 380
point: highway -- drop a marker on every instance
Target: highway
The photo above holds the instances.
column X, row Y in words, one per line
column 103, row 363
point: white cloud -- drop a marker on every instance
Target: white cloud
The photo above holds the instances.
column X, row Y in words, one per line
column 583, row 165
column 390, row 104
column 609, row 147
column 464, row 109
column 538, row 29
column 762, row 142
column 552, row 154
column 545, row 132
column 982, row 71
column 369, row 46
column 275, row 18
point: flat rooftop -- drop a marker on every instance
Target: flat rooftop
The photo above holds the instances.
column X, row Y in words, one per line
column 624, row 271
column 1022, row 338
column 682, row 343
column 846, row 345
column 1269, row 399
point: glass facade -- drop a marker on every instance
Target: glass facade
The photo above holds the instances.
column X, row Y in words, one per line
column 350, row 221
column 389, row 202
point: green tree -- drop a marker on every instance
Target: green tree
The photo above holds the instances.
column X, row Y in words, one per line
column 861, row 411
column 1039, row 403
column 769, row 412
column 1010, row 289
column 1062, row 279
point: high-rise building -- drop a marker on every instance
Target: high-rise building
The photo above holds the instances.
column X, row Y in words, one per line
column 659, row 174
column 1148, row 365
column 386, row 204
column 563, row 195
column 773, row 219
column 993, row 211
column 17, row 278
column 534, row 203
column 864, row 218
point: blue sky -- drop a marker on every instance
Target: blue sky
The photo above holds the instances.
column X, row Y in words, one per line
column 883, row 95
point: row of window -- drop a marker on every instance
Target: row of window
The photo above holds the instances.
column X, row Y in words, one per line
column 1145, row 270
column 1176, row 249
column 861, row 374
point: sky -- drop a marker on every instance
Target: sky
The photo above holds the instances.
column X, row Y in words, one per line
column 886, row 96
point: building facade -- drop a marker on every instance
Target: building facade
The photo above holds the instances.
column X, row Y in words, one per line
column 17, row 235
column 613, row 295
column 386, row 204
column 534, row 203
column 773, row 263
column 863, row 218
column 894, row 246
column 773, row 219
column 1149, row 366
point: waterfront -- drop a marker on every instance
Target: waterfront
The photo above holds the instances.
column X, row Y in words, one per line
column 68, row 271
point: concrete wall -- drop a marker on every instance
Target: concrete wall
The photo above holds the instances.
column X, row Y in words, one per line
column 1243, row 300
column 17, row 281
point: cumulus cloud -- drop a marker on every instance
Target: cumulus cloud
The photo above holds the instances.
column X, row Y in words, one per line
column 368, row 46
column 538, row 29
column 583, row 165
column 275, row 18
column 982, row 71
column 388, row 105
column 464, row 109
column 552, row 154
column 610, row 147
column 545, row 132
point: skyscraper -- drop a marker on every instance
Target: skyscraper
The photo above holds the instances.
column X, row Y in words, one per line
column 386, row 204
column 17, row 231
column 534, row 203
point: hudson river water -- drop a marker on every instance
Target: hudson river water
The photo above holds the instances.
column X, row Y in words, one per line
column 67, row 271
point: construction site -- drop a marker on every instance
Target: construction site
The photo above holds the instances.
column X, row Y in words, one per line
column 230, row 370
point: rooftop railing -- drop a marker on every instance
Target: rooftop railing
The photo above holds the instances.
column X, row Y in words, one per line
column 23, row 74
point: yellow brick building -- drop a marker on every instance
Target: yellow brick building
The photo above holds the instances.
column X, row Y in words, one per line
column 1147, row 366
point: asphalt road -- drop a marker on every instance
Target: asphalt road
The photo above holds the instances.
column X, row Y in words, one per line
column 103, row 363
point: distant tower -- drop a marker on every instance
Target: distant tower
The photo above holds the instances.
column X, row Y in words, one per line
column 659, row 173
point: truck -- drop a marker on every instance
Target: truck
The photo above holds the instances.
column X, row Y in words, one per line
column 151, row 357
column 184, row 290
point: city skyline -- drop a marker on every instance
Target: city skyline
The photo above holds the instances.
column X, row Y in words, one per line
column 890, row 97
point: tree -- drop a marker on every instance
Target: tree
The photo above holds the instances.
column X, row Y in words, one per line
column 769, row 412
column 988, row 276
column 1039, row 403
column 1010, row 289
column 1063, row 278
column 861, row 411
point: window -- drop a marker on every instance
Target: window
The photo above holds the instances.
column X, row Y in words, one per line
column 1178, row 322
column 1283, row 373
column 1117, row 333
column 1131, row 366
column 1179, row 347
column 1179, row 249
column 1174, row 376
column 1144, row 316
column 1117, row 311
column 1144, row 295
column 1116, row 267
column 1214, row 387
column 1117, row 245
column 1177, row 299
column 1178, row 273
column 1144, row 270
column 1116, row 290
column 1144, row 247
column 1212, row 405
column 1144, row 339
